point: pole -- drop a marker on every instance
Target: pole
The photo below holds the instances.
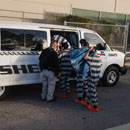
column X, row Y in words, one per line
column 126, row 18
column 65, row 23
column 115, row 6
column 126, row 37
column 23, row 17
column 99, row 15
column 71, row 9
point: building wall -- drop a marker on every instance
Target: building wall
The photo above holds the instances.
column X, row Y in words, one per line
column 63, row 6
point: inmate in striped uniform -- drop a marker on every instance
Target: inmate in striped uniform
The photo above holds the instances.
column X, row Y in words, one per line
column 66, row 69
column 82, row 86
column 61, row 40
column 93, row 78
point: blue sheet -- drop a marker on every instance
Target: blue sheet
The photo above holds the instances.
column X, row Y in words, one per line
column 80, row 65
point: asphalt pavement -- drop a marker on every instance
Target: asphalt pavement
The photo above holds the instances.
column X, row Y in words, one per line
column 23, row 109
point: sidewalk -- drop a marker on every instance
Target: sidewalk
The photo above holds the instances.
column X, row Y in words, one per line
column 121, row 127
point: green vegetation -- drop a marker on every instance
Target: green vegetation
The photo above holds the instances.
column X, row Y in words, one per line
column 104, row 31
column 113, row 35
column 71, row 18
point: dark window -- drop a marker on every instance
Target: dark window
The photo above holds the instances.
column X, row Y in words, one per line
column 12, row 39
column 18, row 40
column 74, row 37
column 33, row 38
column 92, row 39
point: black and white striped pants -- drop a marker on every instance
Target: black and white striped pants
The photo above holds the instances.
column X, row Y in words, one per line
column 64, row 80
column 82, row 86
column 92, row 82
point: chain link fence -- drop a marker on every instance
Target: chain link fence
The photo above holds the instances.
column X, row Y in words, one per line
column 101, row 15
column 22, row 16
column 115, row 35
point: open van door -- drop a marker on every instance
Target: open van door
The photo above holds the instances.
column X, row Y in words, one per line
column 70, row 36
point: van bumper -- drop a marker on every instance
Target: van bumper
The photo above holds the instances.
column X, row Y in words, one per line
column 123, row 70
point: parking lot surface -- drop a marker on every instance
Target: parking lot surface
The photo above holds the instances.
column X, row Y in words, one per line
column 23, row 109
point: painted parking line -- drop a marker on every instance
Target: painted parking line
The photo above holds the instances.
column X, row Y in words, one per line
column 121, row 127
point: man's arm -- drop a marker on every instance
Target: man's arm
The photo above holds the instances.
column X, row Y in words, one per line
column 56, row 62
column 87, row 54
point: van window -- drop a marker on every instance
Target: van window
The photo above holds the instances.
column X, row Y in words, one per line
column 33, row 38
column 74, row 38
column 18, row 39
column 93, row 39
column 12, row 39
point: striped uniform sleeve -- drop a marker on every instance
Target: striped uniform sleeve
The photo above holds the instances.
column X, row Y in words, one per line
column 65, row 62
column 95, row 66
column 60, row 39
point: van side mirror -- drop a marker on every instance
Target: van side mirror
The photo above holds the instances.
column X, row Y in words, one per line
column 100, row 46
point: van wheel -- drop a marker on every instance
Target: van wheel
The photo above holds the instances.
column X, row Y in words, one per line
column 111, row 76
column 4, row 92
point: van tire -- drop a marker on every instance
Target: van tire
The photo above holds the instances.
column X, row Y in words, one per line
column 4, row 92
column 111, row 76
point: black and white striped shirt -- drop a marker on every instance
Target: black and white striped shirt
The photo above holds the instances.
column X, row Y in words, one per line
column 65, row 60
column 95, row 65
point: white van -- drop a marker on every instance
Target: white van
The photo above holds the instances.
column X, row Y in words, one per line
column 19, row 65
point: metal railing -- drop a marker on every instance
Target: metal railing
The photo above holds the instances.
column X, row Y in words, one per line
column 23, row 16
column 121, row 47
column 20, row 15
column 128, row 59
column 108, row 32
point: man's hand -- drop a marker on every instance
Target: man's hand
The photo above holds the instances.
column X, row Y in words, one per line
column 59, row 74
column 87, row 54
column 91, row 48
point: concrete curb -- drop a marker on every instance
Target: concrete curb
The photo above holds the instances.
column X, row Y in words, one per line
column 121, row 127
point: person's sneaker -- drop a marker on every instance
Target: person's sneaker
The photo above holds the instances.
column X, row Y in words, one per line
column 62, row 96
column 86, row 93
column 86, row 104
column 84, row 98
column 52, row 100
column 68, row 90
column 91, row 108
column 78, row 101
column 43, row 99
